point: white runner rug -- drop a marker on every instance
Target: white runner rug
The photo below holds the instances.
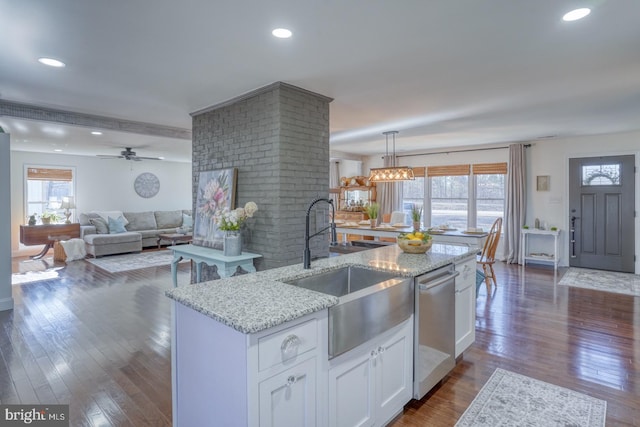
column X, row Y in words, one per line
column 510, row 399
column 609, row 281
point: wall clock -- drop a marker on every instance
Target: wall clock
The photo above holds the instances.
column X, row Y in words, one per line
column 147, row 185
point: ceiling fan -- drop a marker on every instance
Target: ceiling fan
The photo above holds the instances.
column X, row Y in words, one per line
column 128, row 154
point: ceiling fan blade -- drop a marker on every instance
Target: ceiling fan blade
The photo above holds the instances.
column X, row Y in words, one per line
column 107, row 156
column 147, row 158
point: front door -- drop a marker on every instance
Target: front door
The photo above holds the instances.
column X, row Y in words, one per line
column 601, row 211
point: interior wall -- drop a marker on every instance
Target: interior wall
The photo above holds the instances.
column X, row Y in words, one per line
column 101, row 184
column 6, row 298
column 349, row 167
column 552, row 158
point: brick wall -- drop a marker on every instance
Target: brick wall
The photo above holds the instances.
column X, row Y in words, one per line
column 278, row 138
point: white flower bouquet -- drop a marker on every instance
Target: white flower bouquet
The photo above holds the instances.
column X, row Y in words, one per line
column 232, row 220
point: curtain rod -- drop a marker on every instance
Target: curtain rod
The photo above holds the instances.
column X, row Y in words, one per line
column 458, row 151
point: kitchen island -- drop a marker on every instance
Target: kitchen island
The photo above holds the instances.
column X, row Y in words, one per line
column 252, row 350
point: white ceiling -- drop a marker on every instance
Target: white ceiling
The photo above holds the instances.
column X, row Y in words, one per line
column 444, row 73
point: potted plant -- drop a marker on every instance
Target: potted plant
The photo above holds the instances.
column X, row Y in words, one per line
column 372, row 210
column 49, row 217
column 416, row 215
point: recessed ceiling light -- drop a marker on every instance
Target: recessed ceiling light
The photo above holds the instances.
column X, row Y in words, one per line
column 57, row 150
column 51, row 62
column 281, row 33
column 576, row 14
column 95, row 132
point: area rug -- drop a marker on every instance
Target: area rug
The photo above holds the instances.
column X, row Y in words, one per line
column 609, row 281
column 127, row 262
column 510, row 399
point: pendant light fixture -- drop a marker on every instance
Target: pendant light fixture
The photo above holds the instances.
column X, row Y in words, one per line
column 392, row 173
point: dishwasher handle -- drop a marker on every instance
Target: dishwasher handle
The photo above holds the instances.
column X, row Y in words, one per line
column 426, row 284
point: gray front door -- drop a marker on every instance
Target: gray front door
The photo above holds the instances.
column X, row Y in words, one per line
column 601, row 211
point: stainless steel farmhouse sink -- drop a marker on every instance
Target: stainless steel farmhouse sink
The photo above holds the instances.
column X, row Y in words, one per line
column 370, row 302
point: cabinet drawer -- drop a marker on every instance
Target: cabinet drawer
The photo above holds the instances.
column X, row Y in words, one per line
column 287, row 344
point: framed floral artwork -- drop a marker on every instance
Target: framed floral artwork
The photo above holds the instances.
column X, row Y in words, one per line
column 216, row 191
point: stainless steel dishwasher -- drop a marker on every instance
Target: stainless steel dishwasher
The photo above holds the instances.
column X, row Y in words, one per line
column 434, row 328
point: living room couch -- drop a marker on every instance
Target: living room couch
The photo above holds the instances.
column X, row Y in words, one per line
column 141, row 229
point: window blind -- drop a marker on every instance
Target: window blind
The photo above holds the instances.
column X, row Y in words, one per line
column 418, row 171
column 451, row 170
column 490, row 168
column 46, row 174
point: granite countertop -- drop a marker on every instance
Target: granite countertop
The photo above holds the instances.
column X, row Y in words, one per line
column 257, row 301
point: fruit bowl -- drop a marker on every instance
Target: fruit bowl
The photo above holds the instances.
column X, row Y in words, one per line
column 416, row 242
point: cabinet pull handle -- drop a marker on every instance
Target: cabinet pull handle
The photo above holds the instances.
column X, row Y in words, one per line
column 291, row 381
column 380, row 350
column 289, row 346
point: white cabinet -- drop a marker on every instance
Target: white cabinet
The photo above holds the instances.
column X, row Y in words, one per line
column 288, row 399
column 465, row 304
column 271, row 378
column 370, row 384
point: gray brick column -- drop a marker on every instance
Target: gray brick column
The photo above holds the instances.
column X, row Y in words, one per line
column 278, row 138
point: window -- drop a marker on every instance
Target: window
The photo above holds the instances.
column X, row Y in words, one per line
column 412, row 194
column 46, row 187
column 460, row 196
column 449, row 195
column 489, row 199
column 601, row 175
column 449, row 201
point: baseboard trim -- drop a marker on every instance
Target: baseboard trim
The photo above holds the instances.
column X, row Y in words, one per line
column 6, row 304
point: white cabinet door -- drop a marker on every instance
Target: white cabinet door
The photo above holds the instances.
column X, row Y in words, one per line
column 465, row 305
column 369, row 385
column 394, row 373
column 352, row 393
column 288, row 399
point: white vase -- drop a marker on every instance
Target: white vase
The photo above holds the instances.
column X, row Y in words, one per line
column 232, row 243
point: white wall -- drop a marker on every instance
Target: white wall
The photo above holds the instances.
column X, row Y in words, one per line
column 6, row 299
column 552, row 158
column 549, row 157
column 102, row 184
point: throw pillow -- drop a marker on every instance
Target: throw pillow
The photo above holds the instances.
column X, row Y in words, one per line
column 187, row 221
column 100, row 225
column 116, row 225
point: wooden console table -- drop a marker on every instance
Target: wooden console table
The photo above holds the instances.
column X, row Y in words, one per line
column 47, row 235
column 227, row 265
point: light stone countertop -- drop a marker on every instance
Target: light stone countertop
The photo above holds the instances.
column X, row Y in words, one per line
column 253, row 302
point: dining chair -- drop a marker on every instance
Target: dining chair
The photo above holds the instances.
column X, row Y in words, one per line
column 386, row 218
column 488, row 255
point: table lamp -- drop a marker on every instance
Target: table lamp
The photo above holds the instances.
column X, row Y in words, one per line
column 67, row 205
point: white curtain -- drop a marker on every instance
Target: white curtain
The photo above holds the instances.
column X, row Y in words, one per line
column 516, row 202
column 389, row 193
column 334, row 174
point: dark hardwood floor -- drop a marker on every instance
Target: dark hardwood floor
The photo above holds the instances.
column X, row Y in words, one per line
column 101, row 342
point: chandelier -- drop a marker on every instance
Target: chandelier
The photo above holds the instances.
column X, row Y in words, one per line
column 391, row 173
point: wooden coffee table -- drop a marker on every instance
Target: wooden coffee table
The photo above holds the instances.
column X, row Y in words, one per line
column 175, row 238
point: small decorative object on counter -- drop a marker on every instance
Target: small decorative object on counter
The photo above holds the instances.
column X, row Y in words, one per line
column 372, row 210
column 32, row 219
column 417, row 242
column 416, row 215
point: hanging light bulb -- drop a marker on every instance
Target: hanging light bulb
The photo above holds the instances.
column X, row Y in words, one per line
column 393, row 173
